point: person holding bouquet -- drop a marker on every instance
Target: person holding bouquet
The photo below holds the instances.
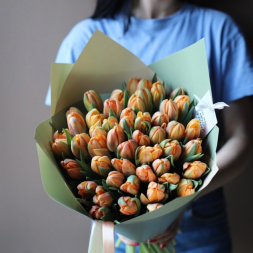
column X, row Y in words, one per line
column 153, row 30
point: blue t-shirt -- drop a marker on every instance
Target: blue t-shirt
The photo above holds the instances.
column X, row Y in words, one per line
column 230, row 65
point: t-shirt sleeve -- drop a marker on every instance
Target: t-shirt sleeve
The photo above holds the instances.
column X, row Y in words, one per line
column 237, row 69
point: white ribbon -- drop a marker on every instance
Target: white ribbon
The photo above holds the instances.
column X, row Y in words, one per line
column 203, row 105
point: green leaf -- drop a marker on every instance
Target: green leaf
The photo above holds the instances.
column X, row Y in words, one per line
column 123, row 85
column 154, row 79
column 137, row 162
column 87, row 169
column 138, row 203
column 147, row 126
column 188, row 117
column 68, row 136
column 135, row 110
column 171, row 159
column 177, row 93
column 85, row 202
column 112, row 114
column 193, row 158
column 125, row 99
column 206, row 172
column 184, row 112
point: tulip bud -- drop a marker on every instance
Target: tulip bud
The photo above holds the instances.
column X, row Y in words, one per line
column 155, row 192
column 175, row 130
column 191, row 148
column 115, row 137
column 148, row 154
column 128, row 205
column 143, row 122
column 144, row 200
column 115, row 179
column 109, row 123
column 183, row 102
column 193, row 129
column 114, row 105
column 127, row 150
column 169, row 108
column 161, row 166
column 60, row 146
column 76, row 123
column 80, row 143
column 159, row 118
column 194, row 170
column 62, row 135
column 94, row 117
column 126, row 123
column 157, row 134
column 128, row 112
column 145, row 174
column 145, row 95
column 171, row 147
column 91, row 100
column 117, row 94
column 144, row 83
column 132, row 185
column 185, row 187
column 93, row 127
column 73, row 168
column 101, row 165
column 124, row 166
column 140, row 138
column 132, row 86
column 97, row 212
column 102, row 198
column 87, row 189
column 97, row 131
column 171, row 178
column 157, row 92
column 153, row 207
column 178, row 90
column 136, row 102
column 97, row 147
column 75, row 110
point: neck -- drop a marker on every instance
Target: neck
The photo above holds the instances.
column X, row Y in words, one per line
column 148, row 9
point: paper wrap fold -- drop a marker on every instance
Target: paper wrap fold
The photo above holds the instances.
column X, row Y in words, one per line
column 103, row 66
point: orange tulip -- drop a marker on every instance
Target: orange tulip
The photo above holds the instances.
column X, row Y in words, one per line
column 157, row 92
column 148, row 154
column 145, row 174
column 193, row 129
column 87, row 189
column 155, row 192
column 185, row 187
column 191, row 148
column 140, row 138
column 74, row 110
column 73, row 168
column 102, row 198
column 97, row 131
column 126, row 123
column 109, row 123
column 97, row 147
column 159, row 118
column 194, row 170
column 92, row 99
column 175, row 130
column 169, row 108
column 140, row 122
column 114, row 105
column 127, row 150
column 136, row 102
column 132, row 185
column 76, row 123
column 171, row 178
column 132, row 86
column 62, row 135
column 60, row 146
column 97, row 212
column 101, row 165
column 115, row 137
column 117, row 94
column 94, row 117
column 171, row 147
column 115, row 179
column 145, row 94
column 128, row 205
column 128, row 112
column 181, row 102
column 161, row 166
column 153, row 207
column 144, row 83
column 157, row 134
column 124, row 166
column 80, row 143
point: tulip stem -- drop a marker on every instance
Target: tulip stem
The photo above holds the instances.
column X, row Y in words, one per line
column 117, row 244
column 130, row 249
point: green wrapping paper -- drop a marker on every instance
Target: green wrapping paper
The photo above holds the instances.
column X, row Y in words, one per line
column 103, row 66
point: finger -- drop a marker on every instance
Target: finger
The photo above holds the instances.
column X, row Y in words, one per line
column 127, row 241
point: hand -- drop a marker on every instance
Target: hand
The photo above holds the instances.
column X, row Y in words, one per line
column 127, row 241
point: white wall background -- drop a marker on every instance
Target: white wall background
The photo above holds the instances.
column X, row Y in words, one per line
column 30, row 222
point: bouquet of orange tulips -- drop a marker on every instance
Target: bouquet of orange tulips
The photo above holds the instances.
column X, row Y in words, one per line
column 126, row 156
